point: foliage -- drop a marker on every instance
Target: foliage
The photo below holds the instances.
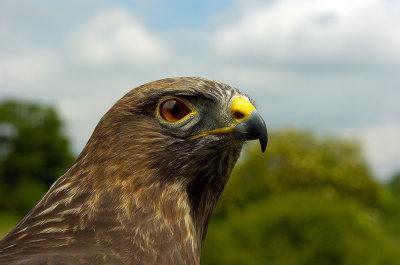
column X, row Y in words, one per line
column 391, row 210
column 7, row 222
column 307, row 200
column 296, row 160
column 394, row 183
column 297, row 229
column 33, row 153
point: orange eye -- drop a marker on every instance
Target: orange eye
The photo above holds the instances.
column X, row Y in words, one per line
column 173, row 110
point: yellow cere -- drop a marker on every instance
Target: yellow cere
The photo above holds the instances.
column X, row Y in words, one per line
column 243, row 106
column 239, row 105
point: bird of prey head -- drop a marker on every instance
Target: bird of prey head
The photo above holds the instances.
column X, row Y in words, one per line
column 143, row 189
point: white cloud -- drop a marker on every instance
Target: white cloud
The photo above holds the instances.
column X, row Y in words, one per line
column 381, row 145
column 26, row 68
column 116, row 36
column 299, row 32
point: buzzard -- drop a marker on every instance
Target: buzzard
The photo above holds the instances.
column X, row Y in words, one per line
column 143, row 189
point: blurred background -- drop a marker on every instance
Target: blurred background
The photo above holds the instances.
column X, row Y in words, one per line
column 325, row 75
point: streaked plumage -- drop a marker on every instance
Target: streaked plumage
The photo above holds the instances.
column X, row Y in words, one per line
column 143, row 189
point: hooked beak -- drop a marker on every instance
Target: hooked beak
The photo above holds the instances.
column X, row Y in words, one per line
column 251, row 129
column 248, row 124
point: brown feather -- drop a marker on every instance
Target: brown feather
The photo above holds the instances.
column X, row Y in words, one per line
column 137, row 194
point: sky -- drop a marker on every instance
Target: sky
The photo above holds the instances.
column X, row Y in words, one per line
column 331, row 67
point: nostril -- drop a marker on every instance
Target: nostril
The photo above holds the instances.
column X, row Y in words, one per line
column 238, row 115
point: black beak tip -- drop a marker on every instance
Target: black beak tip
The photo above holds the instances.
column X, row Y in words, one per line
column 263, row 136
column 263, row 143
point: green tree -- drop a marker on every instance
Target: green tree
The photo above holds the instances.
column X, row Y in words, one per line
column 394, row 183
column 300, row 228
column 33, row 153
column 298, row 160
column 307, row 200
column 391, row 212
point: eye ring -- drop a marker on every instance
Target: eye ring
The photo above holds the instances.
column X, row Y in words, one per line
column 173, row 110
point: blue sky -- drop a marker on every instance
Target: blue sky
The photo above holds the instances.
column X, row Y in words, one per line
column 332, row 67
column 178, row 14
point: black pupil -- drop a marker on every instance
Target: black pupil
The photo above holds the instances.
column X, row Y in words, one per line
column 175, row 109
